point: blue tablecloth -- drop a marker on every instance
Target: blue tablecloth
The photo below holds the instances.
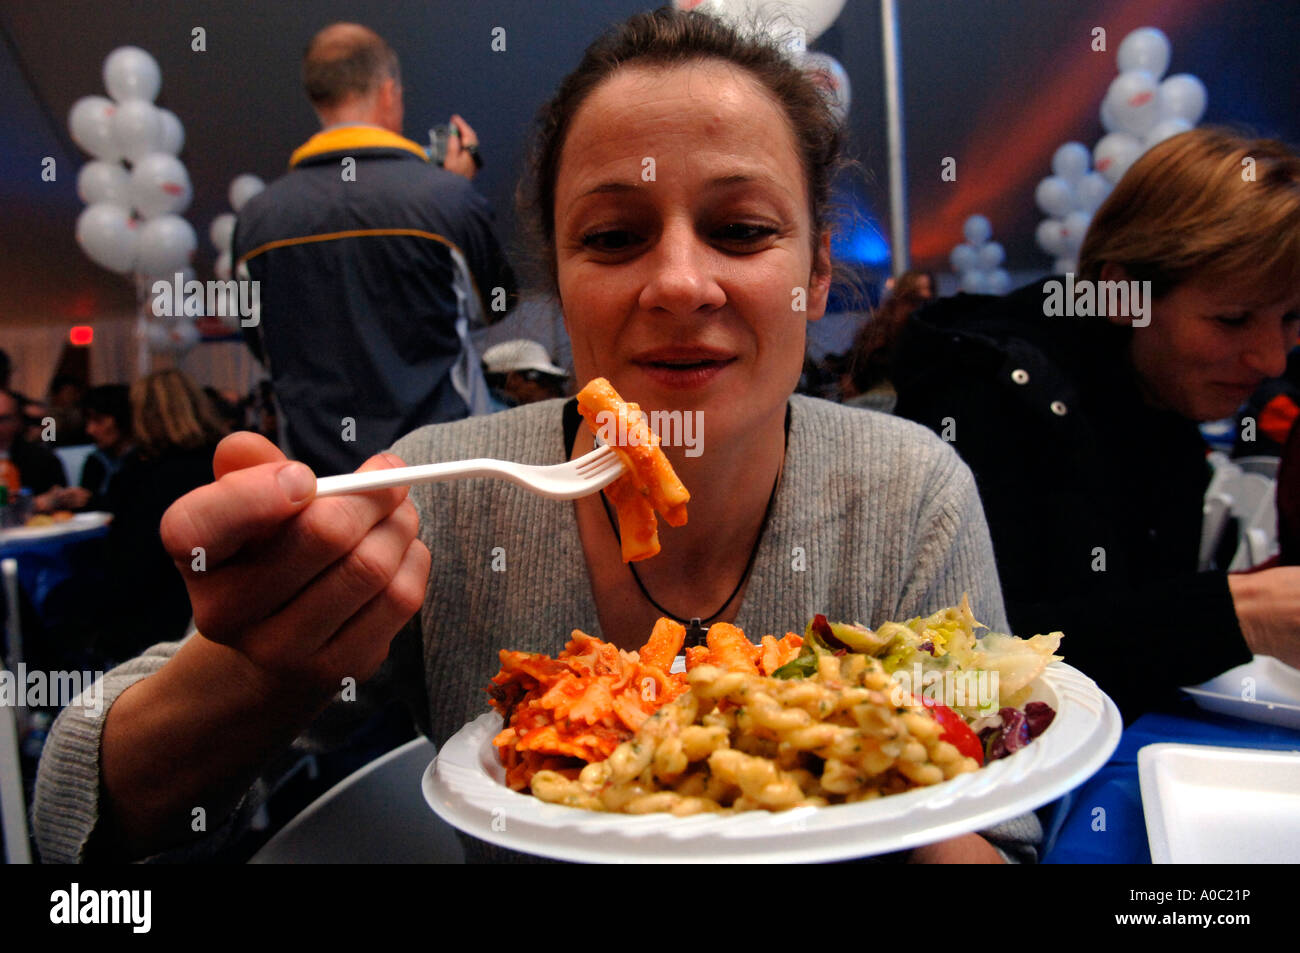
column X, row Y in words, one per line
column 46, row 564
column 1101, row 822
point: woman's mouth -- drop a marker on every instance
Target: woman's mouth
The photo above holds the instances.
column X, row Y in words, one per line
column 692, row 369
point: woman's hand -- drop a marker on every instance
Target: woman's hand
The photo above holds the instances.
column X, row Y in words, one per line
column 1268, row 610
column 967, row 849
column 291, row 595
column 309, row 591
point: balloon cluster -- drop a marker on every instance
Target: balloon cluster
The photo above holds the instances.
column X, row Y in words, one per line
column 1138, row 111
column 135, row 188
column 978, row 260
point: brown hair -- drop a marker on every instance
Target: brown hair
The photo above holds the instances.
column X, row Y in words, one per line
column 873, row 346
column 346, row 59
column 1209, row 206
column 169, row 412
column 670, row 37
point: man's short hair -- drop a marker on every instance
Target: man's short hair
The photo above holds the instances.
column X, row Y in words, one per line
column 344, row 60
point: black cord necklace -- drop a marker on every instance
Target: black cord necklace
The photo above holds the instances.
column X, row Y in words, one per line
column 697, row 628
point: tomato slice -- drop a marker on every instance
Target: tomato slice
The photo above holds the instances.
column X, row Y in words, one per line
column 957, row 733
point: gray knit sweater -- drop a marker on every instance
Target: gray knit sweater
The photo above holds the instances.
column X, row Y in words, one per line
column 875, row 519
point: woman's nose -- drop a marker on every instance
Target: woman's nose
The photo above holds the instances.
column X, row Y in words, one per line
column 682, row 279
column 1268, row 348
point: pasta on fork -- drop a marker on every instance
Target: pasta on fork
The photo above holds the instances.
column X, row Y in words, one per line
column 650, row 485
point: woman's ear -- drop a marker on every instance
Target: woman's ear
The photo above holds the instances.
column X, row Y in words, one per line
column 1113, row 272
column 819, row 286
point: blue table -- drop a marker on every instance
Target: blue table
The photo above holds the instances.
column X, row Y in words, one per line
column 1101, row 822
column 56, row 564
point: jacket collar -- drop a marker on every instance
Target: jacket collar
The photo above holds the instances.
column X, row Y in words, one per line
column 351, row 138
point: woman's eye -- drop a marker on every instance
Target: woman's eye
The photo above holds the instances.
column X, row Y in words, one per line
column 612, row 240
column 742, row 234
column 1231, row 320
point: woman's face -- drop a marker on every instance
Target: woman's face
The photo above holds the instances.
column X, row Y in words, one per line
column 103, row 429
column 683, row 244
column 1204, row 353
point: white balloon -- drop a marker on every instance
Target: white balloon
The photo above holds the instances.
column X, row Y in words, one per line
column 137, row 129
column 1182, row 96
column 1164, row 129
column 1108, row 117
column 166, row 245
column 998, row 282
column 222, row 266
column 100, row 181
column 1071, row 161
column 243, row 188
column 168, row 336
column 1133, row 101
column 974, row 282
column 831, row 79
column 1064, row 265
column 813, row 16
column 173, row 133
column 160, row 186
column 990, row 255
column 1073, row 229
column 1091, row 191
column 156, row 334
column 108, row 236
column 131, row 73
column 91, row 123
column 1051, row 236
column 977, row 230
column 1054, row 196
column 184, row 335
column 1145, row 48
column 222, row 230
column 963, row 258
column 1114, row 153
column 187, row 274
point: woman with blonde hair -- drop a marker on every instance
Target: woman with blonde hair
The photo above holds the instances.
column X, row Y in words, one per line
column 176, row 432
column 1076, row 401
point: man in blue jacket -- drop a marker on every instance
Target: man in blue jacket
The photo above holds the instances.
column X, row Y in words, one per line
column 372, row 264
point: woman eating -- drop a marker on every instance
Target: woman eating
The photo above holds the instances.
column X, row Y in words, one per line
column 679, row 190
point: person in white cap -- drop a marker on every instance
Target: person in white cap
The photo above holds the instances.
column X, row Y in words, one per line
column 521, row 372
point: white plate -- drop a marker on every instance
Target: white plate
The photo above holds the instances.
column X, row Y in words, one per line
column 1208, row 805
column 1274, row 685
column 79, row 523
column 465, row 786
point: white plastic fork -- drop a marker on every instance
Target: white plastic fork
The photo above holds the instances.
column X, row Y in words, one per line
column 562, row 481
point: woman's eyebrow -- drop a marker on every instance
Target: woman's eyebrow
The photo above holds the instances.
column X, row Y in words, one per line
column 609, row 187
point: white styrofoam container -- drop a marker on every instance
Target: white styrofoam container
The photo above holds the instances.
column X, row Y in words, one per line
column 1206, row 804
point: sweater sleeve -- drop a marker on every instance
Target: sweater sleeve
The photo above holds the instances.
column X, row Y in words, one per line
column 67, row 804
column 66, row 807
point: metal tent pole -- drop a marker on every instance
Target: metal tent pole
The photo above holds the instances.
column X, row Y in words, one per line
column 898, row 238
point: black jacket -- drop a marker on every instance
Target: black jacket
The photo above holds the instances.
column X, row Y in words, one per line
column 1094, row 499
column 359, row 291
column 148, row 599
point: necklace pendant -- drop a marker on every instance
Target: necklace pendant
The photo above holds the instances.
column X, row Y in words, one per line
column 695, row 633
